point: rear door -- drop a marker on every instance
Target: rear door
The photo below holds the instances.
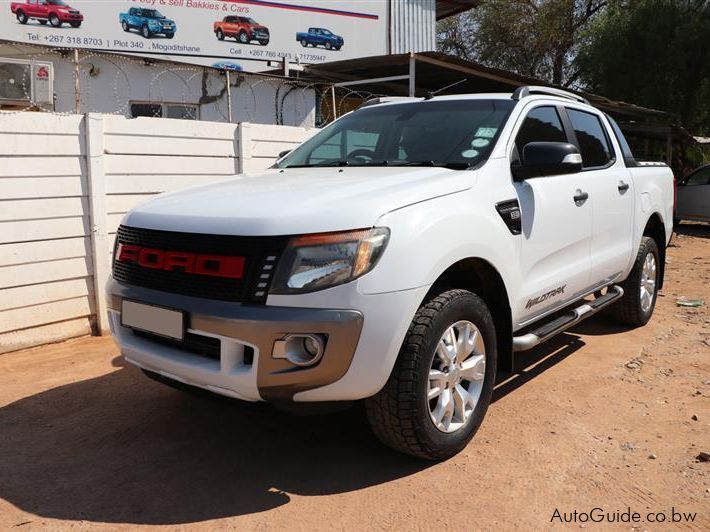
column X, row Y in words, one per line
column 693, row 201
column 556, row 229
column 611, row 193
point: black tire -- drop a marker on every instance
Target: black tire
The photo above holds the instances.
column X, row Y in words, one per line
column 54, row 21
column 125, row 26
column 264, row 42
column 338, row 47
column 21, row 17
column 629, row 310
column 328, row 46
column 220, row 34
column 304, row 43
column 243, row 37
column 170, row 35
column 399, row 413
column 145, row 31
column 75, row 24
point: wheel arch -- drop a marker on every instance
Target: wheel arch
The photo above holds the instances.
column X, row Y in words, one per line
column 656, row 229
column 481, row 277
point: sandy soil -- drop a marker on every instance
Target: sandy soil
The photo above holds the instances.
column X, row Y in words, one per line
column 600, row 417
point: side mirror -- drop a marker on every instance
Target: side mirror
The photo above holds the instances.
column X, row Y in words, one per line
column 546, row 159
column 284, row 154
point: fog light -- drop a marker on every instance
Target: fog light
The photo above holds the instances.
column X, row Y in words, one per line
column 300, row 349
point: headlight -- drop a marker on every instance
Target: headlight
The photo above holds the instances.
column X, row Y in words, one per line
column 315, row 262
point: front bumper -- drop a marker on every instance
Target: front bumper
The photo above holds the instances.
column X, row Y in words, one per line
column 363, row 343
column 71, row 17
column 238, row 328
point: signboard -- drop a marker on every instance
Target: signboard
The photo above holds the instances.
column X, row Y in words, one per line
column 236, row 34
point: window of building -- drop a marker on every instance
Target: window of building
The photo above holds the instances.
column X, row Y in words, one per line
column 164, row 110
column 593, row 142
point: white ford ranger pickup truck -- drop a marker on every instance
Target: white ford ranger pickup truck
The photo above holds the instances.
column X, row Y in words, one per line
column 401, row 256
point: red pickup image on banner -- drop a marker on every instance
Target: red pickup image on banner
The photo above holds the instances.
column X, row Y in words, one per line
column 243, row 29
column 56, row 12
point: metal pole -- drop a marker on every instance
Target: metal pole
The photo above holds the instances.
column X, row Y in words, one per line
column 77, row 84
column 332, row 99
column 229, row 95
column 412, row 74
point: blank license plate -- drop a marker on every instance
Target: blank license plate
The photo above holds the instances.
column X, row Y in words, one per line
column 149, row 318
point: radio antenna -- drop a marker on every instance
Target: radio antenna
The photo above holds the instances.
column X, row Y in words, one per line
column 431, row 94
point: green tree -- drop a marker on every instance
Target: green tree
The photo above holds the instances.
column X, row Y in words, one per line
column 654, row 53
column 537, row 38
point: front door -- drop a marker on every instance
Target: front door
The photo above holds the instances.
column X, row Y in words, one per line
column 556, row 227
column 693, row 201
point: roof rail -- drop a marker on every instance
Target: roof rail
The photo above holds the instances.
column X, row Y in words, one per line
column 386, row 99
column 527, row 90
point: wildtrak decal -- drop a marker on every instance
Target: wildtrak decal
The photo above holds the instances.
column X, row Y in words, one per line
column 544, row 297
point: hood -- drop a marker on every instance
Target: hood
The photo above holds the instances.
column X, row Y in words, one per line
column 296, row 201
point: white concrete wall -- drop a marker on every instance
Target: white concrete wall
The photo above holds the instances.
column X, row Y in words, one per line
column 109, row 82
column 65, row 183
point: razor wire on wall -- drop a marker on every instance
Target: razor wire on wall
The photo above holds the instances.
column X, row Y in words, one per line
column 76, row 81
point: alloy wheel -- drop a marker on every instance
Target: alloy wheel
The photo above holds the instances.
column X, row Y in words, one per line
column 456, row 376
column 648, row 282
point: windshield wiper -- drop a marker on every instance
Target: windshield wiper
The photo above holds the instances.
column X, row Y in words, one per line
column 451, row 165
column 319, row 165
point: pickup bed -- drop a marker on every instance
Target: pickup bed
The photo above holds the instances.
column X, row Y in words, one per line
column 56, row 12
column 148, row 22
column 320, row 37
column 401, row 256
column 243, row 29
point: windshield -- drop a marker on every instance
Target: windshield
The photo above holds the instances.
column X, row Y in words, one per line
column 250, row 20
column 152, row 13
column 453, row 133
column 56, row 2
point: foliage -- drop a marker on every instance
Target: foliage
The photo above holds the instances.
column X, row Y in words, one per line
column 537, row 38
column 654, row 53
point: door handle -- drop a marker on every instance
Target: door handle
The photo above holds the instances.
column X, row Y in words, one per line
column 623, row 187
column 580, row 197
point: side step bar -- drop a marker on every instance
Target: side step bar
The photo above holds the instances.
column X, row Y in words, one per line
column 555, row 327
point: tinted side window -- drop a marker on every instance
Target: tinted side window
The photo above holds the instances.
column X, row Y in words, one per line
column 542, row 124
column 700, row 177
column 593, row 142
column 625, row 148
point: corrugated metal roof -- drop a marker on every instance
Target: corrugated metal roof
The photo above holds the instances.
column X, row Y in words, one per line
column 435, row 70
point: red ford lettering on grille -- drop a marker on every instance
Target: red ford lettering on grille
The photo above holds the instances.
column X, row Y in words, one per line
column 179, row 261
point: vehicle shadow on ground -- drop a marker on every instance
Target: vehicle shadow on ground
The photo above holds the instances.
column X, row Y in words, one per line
column 122, row 449
column 532, row 363
column 699, row 230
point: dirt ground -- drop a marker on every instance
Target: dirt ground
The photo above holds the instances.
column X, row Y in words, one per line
column 597, row 418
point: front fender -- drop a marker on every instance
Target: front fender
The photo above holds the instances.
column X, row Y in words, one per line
column 430, row 236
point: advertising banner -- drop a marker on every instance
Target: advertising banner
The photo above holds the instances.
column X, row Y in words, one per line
column 235, row 34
